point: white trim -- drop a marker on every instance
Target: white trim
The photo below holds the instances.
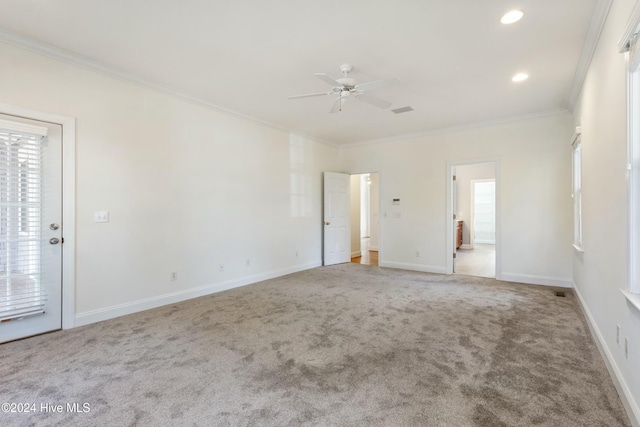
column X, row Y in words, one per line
column 374, row 248
column 578, row 249
column 413, row 267
column 107, row 313
column 68, row 201
column 596, row 25
column 630, row 405
column 633, row 299
column 449, row 228
column 69, row 57
column 466, row 246
column 559, row 282
column 356, row 254
column 473, row 125
column 380, row 217
column 630, row 29
column 633, row 180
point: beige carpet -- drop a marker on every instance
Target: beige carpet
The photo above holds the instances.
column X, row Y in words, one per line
column 346, row 345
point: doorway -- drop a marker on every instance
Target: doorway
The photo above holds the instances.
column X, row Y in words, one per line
column 365, row 218
column 474, row 207
column 30, row 227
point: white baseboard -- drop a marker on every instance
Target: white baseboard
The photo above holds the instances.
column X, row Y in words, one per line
column 536, row 280
column 356, row 254
column 373, row 248
column 466, row 246
column 107, row 313
column 413, row 267
column 630, row 405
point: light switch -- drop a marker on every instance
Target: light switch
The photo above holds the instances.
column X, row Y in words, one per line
column 101, row 216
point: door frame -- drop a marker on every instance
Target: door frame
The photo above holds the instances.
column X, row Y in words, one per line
column 381, row 215
column 68, row 200
column 450, row 223
column 472, row 209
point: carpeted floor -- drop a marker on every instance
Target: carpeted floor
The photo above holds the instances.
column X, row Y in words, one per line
column 346, row 345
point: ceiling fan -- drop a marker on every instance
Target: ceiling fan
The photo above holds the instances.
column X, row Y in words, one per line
column 345, row 87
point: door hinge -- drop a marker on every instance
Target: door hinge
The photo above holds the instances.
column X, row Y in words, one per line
column 62, row 240
column 454, row 216
column 454, row 255
column 454, row 177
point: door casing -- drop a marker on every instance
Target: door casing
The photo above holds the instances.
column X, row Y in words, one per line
column 450, row 222
column 68, row 200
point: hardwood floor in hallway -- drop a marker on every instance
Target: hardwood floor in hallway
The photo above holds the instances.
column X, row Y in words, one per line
column 368, row 256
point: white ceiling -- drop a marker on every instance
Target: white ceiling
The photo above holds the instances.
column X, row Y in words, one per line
column 454, row 58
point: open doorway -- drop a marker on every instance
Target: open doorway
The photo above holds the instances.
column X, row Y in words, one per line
column 474, row 206
column 365, row 218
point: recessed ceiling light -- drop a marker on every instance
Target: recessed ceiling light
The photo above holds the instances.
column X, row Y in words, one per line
column 520, row 77
column 512, row 16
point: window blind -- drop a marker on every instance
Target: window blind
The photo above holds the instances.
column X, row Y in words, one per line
column 21, row 290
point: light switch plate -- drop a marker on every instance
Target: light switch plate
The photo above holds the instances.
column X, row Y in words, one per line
column 101, row 216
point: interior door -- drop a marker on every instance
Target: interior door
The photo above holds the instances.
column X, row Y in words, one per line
column 337, row 220
column 454, row 205
column 30, row 227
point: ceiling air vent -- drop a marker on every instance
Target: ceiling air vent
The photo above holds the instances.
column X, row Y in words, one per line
column 402, row 110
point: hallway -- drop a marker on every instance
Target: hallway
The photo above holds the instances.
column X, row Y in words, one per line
column 480, row 261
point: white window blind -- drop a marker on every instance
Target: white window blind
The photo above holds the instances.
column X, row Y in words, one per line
column 630, row 45
column 21, row 290
column 577, row 191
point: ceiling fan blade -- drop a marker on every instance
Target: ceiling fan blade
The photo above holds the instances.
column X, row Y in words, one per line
column 337, row 106
column 377, row 84
column 373, row 101
column 328, row 79
column 310, row 95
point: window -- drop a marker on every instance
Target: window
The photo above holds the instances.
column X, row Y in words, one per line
column 630, row 47
column 577, row 191
column 22, row 292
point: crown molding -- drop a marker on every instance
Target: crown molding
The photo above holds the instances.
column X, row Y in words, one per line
column 596, row 25
column 80, row 61
column 458, row 128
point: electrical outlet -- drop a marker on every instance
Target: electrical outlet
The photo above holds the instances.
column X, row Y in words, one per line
column 173, row 275
column 221, row 268
column 618, row 334
column 626, row 348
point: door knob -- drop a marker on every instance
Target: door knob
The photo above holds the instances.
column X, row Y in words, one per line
column 327, row 223
column 54, row 226
column 54, row 240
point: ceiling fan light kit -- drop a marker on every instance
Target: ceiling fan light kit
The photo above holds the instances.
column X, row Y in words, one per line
column 346, row 86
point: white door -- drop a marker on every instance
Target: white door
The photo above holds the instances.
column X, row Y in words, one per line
column 454, row 204
column 337, row 220
column 30, row 227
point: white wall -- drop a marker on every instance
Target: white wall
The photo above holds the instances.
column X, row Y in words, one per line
column 464, row 175
column 188, row 188
column 536, row 207
column 602, row 269
column 355, row 215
